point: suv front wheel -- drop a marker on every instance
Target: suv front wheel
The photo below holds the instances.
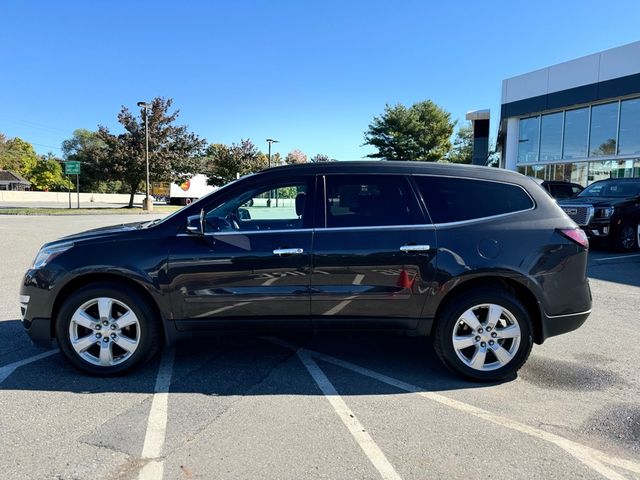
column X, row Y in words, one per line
column 107, row 330
column 484, row 335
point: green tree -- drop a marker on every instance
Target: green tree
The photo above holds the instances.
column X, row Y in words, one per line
column 174, row 153
column 320, row 158
column 18, row 156
column 87, row 148
column 295, row 157
column 47, row 175
column 462, row 149
column 421, row 132
column 223, row 163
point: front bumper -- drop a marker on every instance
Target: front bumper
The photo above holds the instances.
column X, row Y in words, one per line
column 598, row 230
column 36, row 302
column 39, row 329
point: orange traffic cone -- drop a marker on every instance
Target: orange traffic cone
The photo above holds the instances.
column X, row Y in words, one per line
column 404, row 281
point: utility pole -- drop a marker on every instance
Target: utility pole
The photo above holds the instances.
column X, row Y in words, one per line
column 148, row 203
column 270, row 141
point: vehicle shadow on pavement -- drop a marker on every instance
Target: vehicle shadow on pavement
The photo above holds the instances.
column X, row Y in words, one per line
column 251, row 365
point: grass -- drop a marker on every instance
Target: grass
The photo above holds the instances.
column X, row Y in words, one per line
column 87, row 211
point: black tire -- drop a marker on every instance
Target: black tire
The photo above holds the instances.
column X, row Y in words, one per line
column 149, row 338
column 450, row 319
column 626, row 237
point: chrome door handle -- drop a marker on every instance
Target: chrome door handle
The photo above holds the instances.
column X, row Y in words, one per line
column 288, row 251
column 415, row 248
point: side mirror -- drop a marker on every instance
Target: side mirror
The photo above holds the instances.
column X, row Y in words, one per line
column 195, row 224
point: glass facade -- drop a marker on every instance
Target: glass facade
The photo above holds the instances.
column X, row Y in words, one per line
column 604, row 125
column 551, row 137
column 528, row 140
column 576, row 133
column 583, row 173
column 629, row 141
column 582, row 145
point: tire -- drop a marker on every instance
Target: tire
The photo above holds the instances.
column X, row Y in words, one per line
column 626, row 237
column 506, row 347
column 105, row 330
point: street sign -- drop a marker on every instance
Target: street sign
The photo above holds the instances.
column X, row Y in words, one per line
column 72, row 168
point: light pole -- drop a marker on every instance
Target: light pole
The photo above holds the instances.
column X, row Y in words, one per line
column 148, row 203
column 270, row 141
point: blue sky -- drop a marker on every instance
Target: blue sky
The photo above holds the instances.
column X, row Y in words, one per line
column 311, row 74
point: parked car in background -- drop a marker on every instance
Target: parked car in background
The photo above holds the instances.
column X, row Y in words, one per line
column 559, row 189
column 479, row 258
column 609, row 211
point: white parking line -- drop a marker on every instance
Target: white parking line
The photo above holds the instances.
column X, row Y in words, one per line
column 363, row 439
column 619, row 257
column 589, row 456
column 157, row 422
column 7, row 370
column 337, row 308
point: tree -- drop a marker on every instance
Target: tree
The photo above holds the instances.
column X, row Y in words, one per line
column 87, row 148
column 295, row 157
column 174, row 153
column 18, row 156
column 47, row 175
column 462, row 149
column 421, row 132
column 224, row 163
column 320, row 158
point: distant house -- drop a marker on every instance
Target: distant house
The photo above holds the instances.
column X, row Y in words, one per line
column 12, row 181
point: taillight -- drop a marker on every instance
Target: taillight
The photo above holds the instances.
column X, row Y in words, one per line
column 576, row 235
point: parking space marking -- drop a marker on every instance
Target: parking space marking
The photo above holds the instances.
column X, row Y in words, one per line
column 364, row 440
column 619, row 257
column 157, row 422
column 7, row 370
column 337, row 308
column 591, row 457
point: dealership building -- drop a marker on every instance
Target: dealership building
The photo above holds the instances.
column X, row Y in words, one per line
column 577, row 121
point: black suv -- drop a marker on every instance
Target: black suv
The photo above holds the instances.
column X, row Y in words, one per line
column 480, row 258
column 559, row 189
column 609, row 210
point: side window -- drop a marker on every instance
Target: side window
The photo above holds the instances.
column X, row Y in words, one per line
column 370, row 200
column 458, row 199
column 279, row 206
column 562, row 191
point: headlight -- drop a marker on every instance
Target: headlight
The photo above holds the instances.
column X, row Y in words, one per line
column 45, row 255
column 604, row 212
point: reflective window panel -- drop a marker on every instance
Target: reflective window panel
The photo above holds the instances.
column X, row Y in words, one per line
column 576, row 132
column 529, row 129
column 604, row 125
column 600, row 170
column 579, row 173
column 629, row 127
column 551, row 137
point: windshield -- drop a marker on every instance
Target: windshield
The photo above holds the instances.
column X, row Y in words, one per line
column 199, row 201
column 612, row 188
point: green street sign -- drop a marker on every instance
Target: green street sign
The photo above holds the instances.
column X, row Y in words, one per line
column 72, row 168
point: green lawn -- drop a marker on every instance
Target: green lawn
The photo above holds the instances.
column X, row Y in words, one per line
column 87, row 211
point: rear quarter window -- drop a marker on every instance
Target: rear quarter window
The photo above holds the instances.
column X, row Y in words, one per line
column 457, row 199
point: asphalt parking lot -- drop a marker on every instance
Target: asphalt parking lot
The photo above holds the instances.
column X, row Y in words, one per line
column 331, row 406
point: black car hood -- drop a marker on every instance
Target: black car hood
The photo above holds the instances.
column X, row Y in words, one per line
column 595, row 201
column 100, row 233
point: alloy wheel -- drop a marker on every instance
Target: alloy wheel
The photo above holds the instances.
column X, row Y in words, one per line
column 104, row 332
column 486, row 337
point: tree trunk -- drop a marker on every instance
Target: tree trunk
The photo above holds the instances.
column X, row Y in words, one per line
column 133, row 192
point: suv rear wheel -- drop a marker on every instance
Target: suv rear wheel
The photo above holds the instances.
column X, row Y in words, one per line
column 107, row 330
column 626, row 237
column 484, row 335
